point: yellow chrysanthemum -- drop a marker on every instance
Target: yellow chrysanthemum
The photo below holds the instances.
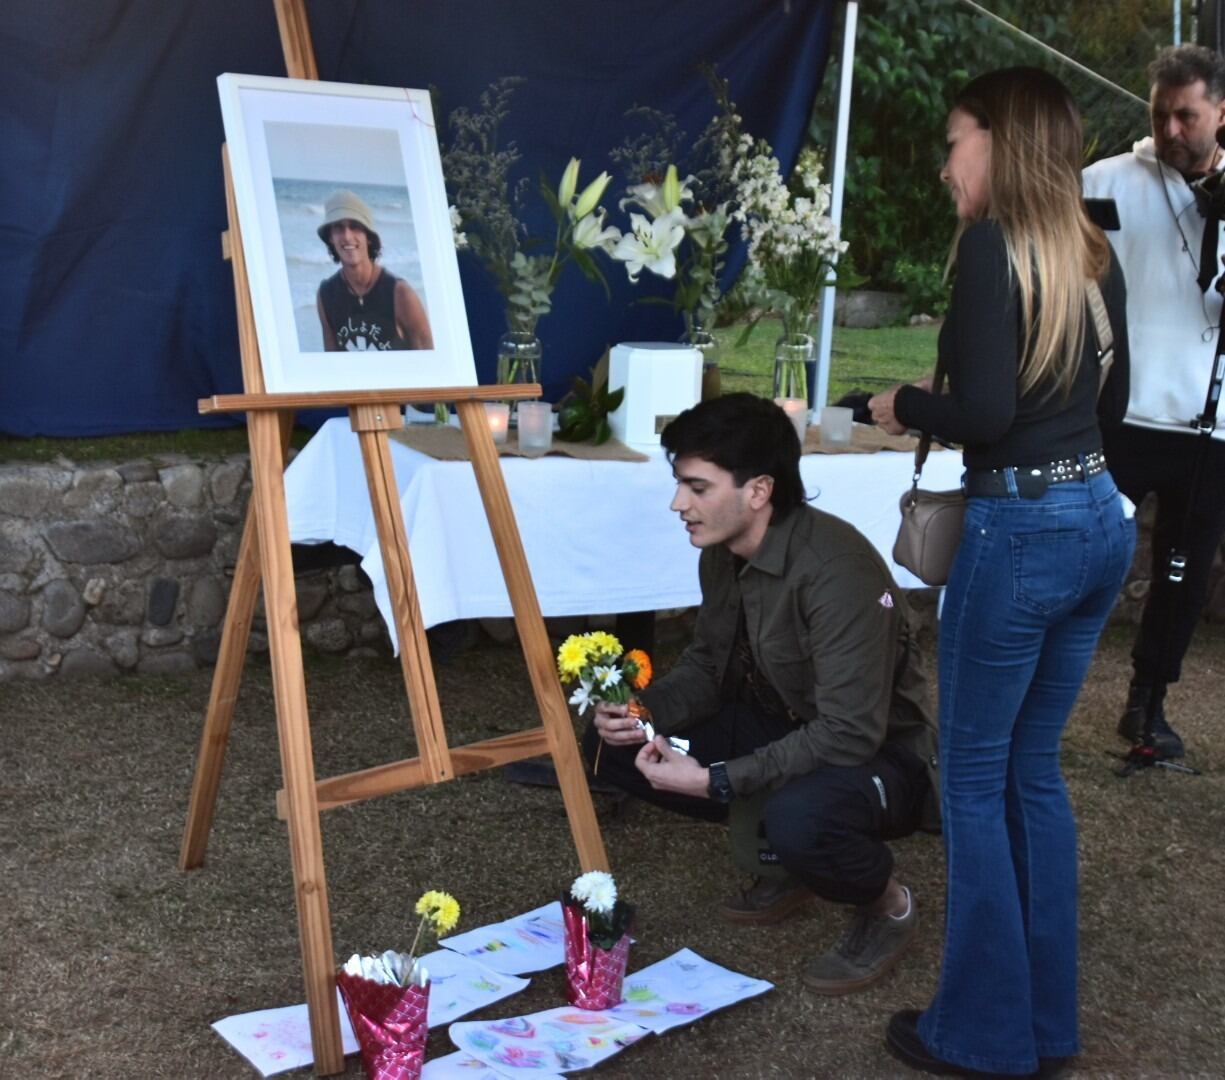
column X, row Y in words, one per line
column 605, row 644
column 442, row 909
column 572, row 657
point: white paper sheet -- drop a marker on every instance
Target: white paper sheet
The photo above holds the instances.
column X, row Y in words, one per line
column 532, row 941
column 276, row 1040
column 680, row 989
column 563, row 1040
column 461, row 1066
column 460, row 985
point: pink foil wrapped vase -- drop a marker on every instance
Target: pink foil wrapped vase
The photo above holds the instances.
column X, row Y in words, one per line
column 390, row 1024
column 593, row 975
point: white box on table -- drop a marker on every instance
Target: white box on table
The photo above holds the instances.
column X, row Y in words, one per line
column 660, row 380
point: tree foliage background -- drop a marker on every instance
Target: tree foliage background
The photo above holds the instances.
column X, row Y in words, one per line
column 912, row 56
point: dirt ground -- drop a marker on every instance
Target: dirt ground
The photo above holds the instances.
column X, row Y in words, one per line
column 114, row 963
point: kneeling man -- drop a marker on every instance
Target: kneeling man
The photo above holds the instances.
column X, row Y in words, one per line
column 801, row 695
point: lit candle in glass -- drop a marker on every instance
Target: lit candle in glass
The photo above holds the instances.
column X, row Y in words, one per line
column 535, row 426
column 498, row 415
column 797, row 412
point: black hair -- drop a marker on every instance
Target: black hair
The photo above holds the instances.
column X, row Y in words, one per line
column 1181, row 65
column 374, row 246
column 745, row 435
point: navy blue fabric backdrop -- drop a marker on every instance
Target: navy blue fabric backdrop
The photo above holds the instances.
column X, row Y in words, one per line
column 116, row 309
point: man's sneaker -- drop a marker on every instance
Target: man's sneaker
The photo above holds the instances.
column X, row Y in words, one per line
column 871, row 945
column 766, row 901
column 1166, row 740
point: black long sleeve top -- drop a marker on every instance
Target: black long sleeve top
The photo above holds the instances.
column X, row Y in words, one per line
column 980, row 344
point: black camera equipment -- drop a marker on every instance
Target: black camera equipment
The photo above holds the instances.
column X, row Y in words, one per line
column 1210, row 198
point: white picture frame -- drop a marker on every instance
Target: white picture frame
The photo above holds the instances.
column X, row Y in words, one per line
column 298, row 146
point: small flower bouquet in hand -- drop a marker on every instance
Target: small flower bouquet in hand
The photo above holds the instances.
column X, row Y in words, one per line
column 597, row 926
column 603, row 670
column 387, row 997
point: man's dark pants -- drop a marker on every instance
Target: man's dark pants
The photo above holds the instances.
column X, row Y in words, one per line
column 827, row 827
column 1143, row 461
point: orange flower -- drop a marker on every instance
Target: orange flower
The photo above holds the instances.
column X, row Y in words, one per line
column 642, row 662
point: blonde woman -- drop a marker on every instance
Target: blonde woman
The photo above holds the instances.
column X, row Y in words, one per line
column 1043, row 554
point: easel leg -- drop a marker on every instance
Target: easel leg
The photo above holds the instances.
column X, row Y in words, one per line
column 227, row 675
column 372, row 422
column 554, row 713
column 244, row 592
column 293, row 727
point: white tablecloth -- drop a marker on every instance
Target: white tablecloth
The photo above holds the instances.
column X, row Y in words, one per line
column 599, row 536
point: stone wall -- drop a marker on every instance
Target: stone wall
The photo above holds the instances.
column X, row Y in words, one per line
column 127, row 566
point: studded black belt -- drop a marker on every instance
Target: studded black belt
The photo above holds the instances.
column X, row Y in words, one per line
column 1030, row 481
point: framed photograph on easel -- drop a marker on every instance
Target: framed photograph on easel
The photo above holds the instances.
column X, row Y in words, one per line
column 346, row 234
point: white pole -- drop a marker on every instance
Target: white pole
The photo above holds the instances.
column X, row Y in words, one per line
column 1177, row 22
column 825, row 333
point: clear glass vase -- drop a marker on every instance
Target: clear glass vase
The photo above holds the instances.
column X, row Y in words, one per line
column 519, row 356
column 699, row 337
column 518, row 359
column 795, row 357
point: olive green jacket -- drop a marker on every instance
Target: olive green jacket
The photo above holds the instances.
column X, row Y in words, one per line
column 831, row 633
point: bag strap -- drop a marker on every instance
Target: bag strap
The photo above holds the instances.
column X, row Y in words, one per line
column 924, row 445
column 1103, row 334
column 1102, row 331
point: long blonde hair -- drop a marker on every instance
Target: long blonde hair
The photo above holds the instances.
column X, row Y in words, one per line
column 1035, row 195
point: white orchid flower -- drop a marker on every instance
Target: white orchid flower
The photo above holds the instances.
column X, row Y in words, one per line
column 589, row 233
column 652, row 245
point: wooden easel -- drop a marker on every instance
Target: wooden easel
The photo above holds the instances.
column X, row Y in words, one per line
column 264, row 556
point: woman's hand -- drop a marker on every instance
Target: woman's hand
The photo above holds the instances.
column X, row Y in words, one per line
column 882, row 412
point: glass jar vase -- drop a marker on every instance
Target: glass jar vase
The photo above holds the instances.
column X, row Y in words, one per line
column 795, row 358
column 699, row 337
column 519, row 356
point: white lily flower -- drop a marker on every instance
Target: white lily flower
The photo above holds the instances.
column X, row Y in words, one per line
column 589, row 234
column 590, row 197
column 457, row 234
column 672, row 189
column 652, row 245
column 569, row 181
column 659, row 199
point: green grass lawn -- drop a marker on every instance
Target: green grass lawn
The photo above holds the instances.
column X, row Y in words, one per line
column 861, row 359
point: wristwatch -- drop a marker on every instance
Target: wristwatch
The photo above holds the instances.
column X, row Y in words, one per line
column 720, row 788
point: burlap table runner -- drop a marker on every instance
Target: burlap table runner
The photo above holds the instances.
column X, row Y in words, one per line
column 446, row 443
column 865, row 439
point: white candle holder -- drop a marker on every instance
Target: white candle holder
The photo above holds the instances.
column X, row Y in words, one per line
column 797, row 412
column 535, row 426
column 836, row 425
column 497, row 413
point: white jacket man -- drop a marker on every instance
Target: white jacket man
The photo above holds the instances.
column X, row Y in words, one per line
column 1173, row 328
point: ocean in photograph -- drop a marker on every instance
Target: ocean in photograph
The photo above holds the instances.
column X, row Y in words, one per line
column 300, row 212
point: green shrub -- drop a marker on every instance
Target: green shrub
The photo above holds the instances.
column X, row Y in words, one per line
column 927, row 293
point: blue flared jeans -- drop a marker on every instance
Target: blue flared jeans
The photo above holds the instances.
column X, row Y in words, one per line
column 1029, row 593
